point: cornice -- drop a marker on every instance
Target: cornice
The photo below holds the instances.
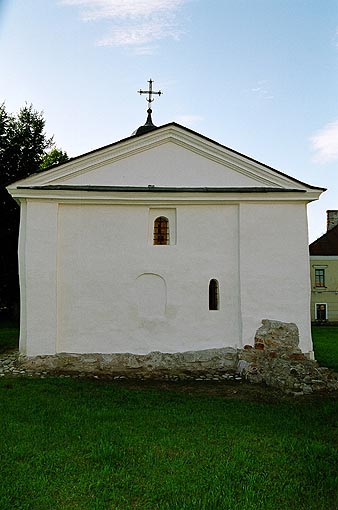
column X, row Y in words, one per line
column 170, row 133
column 165, row 196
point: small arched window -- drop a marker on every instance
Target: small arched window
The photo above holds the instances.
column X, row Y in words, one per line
column 213, row 295
column 161, row 230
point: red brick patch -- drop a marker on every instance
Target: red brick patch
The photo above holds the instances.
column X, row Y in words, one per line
column 259, row 346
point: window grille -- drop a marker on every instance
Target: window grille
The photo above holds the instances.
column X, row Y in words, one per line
column 161, row 230
column 320, row 277
column 213, row 295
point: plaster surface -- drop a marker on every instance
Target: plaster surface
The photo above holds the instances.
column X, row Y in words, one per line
column 92, row 281
column 179, row 167
column 119, row 293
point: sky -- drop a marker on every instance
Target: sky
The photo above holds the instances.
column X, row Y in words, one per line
column 258, row 76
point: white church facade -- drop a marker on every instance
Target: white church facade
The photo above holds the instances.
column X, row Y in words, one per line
column 164, row 241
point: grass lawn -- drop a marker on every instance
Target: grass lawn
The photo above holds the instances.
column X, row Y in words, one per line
column 81, row 444
column 325, row 340
column 96, row 445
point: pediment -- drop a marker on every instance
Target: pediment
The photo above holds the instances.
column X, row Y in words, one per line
column 171, row 156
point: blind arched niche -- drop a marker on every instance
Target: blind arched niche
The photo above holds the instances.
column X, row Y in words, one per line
column 151, row 294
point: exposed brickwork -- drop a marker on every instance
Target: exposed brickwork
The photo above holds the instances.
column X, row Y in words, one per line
column 277, row 361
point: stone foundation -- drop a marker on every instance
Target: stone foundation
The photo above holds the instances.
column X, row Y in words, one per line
column 210, row 363
column 275, row 359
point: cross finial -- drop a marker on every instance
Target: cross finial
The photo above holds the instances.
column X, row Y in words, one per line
column 150, row 93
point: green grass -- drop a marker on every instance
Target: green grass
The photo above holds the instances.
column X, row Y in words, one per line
column 94, row 445
column 325, row 341
column 80, row 444
column 9, row 336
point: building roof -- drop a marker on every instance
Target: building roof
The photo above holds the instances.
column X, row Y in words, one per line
column 146, row 132
column 327, row 244
column 192, row 167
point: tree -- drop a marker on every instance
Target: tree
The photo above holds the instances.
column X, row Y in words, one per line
column 54, row 157
column 23, row 145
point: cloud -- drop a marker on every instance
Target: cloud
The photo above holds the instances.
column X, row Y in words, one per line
column 103, row 9
column 138, row 32
column 325, row 143
column 144, row 50
column 133, row 22
column 262, row 90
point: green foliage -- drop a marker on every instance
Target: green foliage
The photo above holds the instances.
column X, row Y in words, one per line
column 54, row 157
column 23, row 143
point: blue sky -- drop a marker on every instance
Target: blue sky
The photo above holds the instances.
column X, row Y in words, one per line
column 259, row 76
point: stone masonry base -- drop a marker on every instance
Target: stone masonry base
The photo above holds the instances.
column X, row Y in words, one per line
column 275, row 359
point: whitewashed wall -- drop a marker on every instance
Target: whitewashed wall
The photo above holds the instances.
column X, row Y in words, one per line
column 178, row 167
column 274, row 268
column 92, row 281
column 120, row 293
column 38, row 249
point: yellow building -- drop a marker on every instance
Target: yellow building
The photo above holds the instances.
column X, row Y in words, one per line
column 324, row 273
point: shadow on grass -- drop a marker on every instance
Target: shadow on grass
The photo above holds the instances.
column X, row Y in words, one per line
column 9, row 336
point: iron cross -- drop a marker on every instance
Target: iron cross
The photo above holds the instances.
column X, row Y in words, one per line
column 150, row 92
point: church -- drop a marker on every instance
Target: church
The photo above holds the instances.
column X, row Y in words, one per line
column 164, row 241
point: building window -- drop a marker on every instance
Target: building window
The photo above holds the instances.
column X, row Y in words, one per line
column 321, row 311
column 213, row 295
column 161, row 226
column 161, row 230
column 320, row 277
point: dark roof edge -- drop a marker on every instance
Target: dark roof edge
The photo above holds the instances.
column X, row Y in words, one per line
column 245, row 156
column 194, row 133
column 161, row 189
column 322, row 237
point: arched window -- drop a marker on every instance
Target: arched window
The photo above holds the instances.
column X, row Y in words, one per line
column 213, row 295
column 161, row 230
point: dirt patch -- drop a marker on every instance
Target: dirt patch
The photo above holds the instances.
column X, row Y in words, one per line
column 227, row 390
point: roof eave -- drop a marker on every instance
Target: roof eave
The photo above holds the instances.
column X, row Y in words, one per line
column 155, row 194
column 155, row 132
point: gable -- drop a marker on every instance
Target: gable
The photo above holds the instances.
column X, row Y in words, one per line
column 166, row 165
column 169, row 157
